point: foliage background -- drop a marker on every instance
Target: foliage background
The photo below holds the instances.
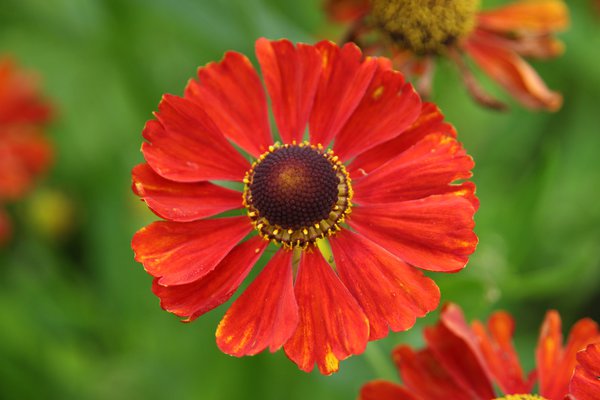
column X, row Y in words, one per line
column 77, row 317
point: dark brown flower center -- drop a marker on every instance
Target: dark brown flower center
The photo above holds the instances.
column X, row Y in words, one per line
column 296, row 194
column 294, row 187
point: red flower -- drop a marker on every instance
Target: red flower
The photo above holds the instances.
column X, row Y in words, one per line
column 415, row 32
column 468, row 362
column 25, row 152
column 20, row 100
column 373, row 182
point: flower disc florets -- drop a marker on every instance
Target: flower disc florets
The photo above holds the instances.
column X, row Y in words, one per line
column 297, row 193
column 521, row 397
column 425, row 27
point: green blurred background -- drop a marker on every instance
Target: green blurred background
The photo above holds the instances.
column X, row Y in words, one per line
column 77, row 317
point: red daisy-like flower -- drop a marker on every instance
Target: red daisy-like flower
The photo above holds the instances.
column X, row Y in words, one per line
column 25, row 152
column 372, row 182
column 414, row 32
column 469, row 362
column 20, row 100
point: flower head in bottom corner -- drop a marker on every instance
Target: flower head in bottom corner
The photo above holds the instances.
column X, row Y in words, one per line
column 353, row 210
column 468, row 362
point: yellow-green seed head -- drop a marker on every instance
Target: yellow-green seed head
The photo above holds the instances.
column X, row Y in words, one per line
column 521, row 397
column 425, row 26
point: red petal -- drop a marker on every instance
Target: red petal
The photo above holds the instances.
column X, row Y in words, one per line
column 184, row 145
column 389, row 106
column 182, row 252
column 535, row 46
column 194, row 299
column 425, row 377
column 539, row 17
column 500, row 354
column 549, row 350
column 555, row 367
column 265, row 315
column 182, row 202
column 230, row 92
column 391, row 293
column 344, row 80
column 291, row 75
column 427, row 168
column 383, row 390
column 584, row 332
column 332, row 325
column 513, row 73
column 430, row 121
column 455, row 346
column 346, row 10
column 585, row 384
column 435, row 233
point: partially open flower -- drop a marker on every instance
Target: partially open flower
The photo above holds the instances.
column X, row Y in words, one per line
column 415, row 32
column 353, row 207
column 465, row 362
column 25, row 152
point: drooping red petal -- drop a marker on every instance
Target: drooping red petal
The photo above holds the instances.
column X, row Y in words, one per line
column 513, row 73
column 265, row 315
column 291, row 75
column 332, row 325
column 499, row 353
column 425, row 378
column 533, row 17
column 585, row 384
column 391, row 293
column 182, row 202
column 554, row 381
column 184, row 145
column 230, row 92
column 389, row 106
column 429, row 121
column 194, row 299
column 455, row 347
column 344, row 79
column 435, row 233
column 383, row 390
column 535, row 46
column 427, row 168
column 346, row 10
column 182, row 252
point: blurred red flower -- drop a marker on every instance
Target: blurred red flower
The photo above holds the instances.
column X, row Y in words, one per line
column 469, row 362
column 415, row 32
column 373, row 152
column 25, row 152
